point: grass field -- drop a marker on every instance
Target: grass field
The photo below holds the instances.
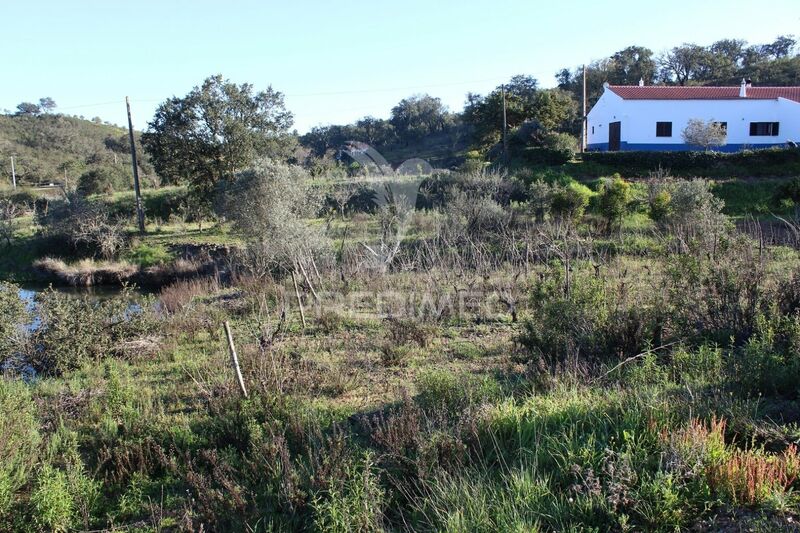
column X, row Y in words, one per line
column 502, row 374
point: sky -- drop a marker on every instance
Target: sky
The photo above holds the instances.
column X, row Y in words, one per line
column 335, row 61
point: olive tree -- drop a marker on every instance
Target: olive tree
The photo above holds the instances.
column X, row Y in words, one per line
column 271, row 205
column 704, row 134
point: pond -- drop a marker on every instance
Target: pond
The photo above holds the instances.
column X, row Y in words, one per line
column 100, row 293
column 94, row 295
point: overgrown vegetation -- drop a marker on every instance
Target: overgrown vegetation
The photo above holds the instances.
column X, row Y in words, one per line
column 555, row 356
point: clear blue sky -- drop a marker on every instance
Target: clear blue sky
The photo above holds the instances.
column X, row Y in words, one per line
column 335, row 61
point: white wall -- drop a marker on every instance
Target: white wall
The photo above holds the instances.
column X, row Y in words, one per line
column 639, row 118
column 609, row 108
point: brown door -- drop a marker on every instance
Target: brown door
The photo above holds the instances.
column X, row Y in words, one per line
column 614, row 136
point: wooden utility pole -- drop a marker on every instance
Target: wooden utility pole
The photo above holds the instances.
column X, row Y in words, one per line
column 584, row 122
column 505, row 123
column 136, row 188
column 13, row 173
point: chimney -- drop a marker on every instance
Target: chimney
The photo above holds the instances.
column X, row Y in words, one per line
column 743, row 89
column 641, row 82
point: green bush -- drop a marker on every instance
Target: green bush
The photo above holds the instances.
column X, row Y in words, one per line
column 769, row 362
column 659, row 206
column 103, row 180
column 13, row 316
column 354, row 503
column 789, row 190
column 570, row 202
column 158, row 203
column 590, row 320
column 615, row 197
column 19, row 444
column 147, row 255
column 776, row 161
column 73, row 331
column 54, row 509
column 22, row 199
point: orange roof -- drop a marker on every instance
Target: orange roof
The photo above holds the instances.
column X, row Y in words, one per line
column 671, row 92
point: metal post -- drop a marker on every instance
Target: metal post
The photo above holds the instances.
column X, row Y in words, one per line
column 13, row 173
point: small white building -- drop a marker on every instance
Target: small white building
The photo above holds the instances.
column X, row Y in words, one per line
column 654, row 117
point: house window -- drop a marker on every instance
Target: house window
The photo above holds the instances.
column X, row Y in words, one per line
column 764, row 129
column 592, row 130
column 663, row 129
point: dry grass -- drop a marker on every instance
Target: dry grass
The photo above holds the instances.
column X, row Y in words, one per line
column 85, row 273
column 179, row 294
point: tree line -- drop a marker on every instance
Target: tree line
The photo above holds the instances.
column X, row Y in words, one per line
column 724, row 62
column 220, row 127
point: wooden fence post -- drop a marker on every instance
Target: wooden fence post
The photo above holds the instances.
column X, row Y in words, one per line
column 234, row 358
column 299, row 300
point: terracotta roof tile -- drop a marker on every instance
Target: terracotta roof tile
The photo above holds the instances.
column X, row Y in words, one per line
column 664, row 92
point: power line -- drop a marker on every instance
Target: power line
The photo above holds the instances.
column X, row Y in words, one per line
column 411, row 88
column 300, row 95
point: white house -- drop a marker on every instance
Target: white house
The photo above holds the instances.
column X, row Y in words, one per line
column 654, row 117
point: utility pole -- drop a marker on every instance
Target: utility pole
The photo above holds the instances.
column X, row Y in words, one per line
column 505, row 124
column 13, row 173
column 584, row 122
column 139, row 210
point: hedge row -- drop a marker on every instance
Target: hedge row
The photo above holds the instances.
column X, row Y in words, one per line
column 688, row 161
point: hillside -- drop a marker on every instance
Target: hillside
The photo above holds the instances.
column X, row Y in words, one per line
column 48, row 147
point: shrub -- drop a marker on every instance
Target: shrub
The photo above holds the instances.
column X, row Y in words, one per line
column 590, row 321
column 83, row 223
column 570, row 202
column 789, row 190
column 23, row 200
column 13, row 315
column 103, row 180
column 770, row 161
column 54, row 509
column 354, row 503
column 549, row 149
column 406, row 330
column 176, row 296
column 716, row 298
column 615, row 197
column 75, row 330
column 769, row 362
column 704, row 134
column 659, row 206
column 392, row 355
column 19, row 443
column 147, row 255
column 540, row 199
column 695, row 215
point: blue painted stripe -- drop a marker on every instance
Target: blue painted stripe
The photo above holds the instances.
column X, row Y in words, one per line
column 678, row 147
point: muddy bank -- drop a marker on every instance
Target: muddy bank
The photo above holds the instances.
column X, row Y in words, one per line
column 192, row 261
